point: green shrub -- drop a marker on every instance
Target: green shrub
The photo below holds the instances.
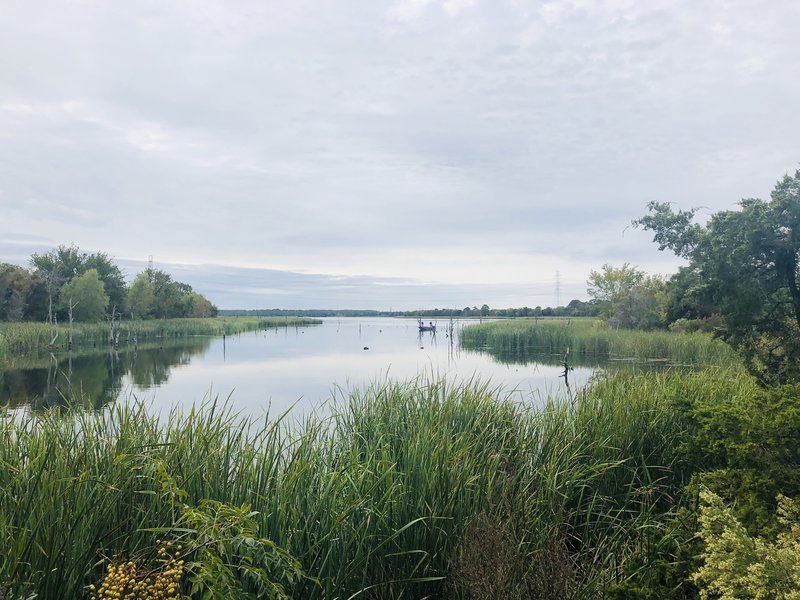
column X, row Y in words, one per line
column 748, row 446
column 737, row 565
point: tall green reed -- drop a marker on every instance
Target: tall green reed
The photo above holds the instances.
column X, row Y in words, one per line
column 593, row 337
column 380, row 498
column 28, row 337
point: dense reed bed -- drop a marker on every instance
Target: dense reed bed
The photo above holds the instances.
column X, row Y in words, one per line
column 592, row 336
column 406, row 490
column 29, row 337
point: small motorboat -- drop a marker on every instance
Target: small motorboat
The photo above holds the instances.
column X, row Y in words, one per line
column 429, row 327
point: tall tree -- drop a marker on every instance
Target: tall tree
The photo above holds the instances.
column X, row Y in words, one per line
column 610, row 285
column 54, row 269
column 170, row 297
column 110, row 274
column 141, row 297
column 641, row 307
column 63, row 263
column 15, row 285
column 85, row 297
column 749, row 260
column 201, row 306
column 59, row 266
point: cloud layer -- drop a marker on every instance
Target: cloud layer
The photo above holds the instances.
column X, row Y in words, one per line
column 421, row 150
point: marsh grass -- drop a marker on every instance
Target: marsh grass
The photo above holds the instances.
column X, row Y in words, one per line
column 22, row 338
column 386, row 498
column 593, row 337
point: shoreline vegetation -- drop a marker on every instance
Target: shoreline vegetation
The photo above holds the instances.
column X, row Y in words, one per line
column 27, row 337
column 581, row 337
column 418, row 489
column 425, row 488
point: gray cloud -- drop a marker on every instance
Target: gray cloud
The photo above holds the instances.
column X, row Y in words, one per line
column 445, row 146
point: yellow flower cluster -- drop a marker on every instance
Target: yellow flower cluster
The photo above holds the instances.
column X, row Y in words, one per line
column 127, row 581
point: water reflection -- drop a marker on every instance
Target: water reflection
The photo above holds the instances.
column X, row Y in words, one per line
column 93, row 378
column 534, row 356
column 150, row 367
column 277, row 369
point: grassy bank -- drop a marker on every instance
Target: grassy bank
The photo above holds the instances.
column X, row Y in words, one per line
column 406, row 491
column 22, row 338
column 594, row 337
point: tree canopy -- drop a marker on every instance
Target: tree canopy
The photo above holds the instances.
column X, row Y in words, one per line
column 628, row 297
column 748, row 262
column 610, row 284
column 60, row 278
column 154, row 293
column 15, row 285
column 86, row 296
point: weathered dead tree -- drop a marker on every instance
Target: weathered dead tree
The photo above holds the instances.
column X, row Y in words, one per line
column 71, row 307
column 113, row 333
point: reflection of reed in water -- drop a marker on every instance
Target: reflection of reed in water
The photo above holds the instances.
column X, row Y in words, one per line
column 149, row 366
column 93, row 379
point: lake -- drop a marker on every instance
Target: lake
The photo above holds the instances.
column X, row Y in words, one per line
column 279, row 369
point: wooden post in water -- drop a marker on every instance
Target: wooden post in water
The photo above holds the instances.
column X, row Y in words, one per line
column 72, row 305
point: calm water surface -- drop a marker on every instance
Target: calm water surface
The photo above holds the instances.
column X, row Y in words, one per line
column 279, row 368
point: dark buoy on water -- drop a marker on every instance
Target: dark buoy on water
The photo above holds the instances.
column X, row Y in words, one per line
column 366, row 347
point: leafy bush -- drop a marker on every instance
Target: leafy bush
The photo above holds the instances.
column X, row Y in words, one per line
column 737, row 565
column 747, row 445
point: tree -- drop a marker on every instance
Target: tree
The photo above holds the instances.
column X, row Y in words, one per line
column 37, row 300
column 54, row 269
column 749, row 260
column 171, row 299
column 15, row 285
column 111, row 276
column 642, row 307
column 611, row 284
column 63, row 263
column 201, row 306
column 141, row 297
column 59, row 266
column 578, row 308
column 85, row 296
column 167, row 294
column 689, row 297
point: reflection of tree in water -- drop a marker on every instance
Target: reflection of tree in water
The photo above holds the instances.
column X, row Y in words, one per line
column 87, row 379
column 93, row 379
column 150, row 366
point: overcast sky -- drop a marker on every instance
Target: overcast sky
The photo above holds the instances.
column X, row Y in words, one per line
column 385, row 154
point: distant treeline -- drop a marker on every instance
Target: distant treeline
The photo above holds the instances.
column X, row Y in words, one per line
column 576, row 308
column 90, row 287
